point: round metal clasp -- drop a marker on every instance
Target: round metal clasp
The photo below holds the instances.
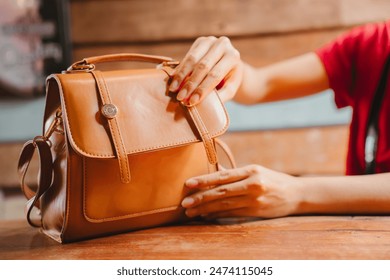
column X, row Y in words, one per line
column 109, row 111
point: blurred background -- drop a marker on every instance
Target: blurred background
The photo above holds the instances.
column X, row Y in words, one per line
column 302, row 137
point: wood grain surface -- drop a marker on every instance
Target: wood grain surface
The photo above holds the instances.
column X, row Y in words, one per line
column 298, row 151
column 256, row 50
column 299, row 238
column 150, row 20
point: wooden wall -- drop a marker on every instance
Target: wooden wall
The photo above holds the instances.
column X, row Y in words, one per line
column 302, row 151
column 264, row 31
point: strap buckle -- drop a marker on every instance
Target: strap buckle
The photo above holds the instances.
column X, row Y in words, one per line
column 172, row 63
column 52, row 128
column 80, row 66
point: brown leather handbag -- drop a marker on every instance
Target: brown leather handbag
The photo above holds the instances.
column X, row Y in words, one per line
column 117, row 148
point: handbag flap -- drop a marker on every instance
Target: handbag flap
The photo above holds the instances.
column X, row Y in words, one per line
column 149, row 117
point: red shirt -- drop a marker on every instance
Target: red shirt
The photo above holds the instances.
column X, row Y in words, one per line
column 354, row 64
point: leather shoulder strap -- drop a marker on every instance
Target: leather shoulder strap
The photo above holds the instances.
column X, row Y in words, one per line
column 45, row 174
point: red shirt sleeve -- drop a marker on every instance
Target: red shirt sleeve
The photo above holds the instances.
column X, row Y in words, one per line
column 339, row 60
column 354, row 63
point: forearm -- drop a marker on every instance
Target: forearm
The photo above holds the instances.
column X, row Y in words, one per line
column 296, row 77
column 366, row 194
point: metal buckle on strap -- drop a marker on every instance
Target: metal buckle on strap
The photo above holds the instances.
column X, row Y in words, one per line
column 172, row 63
column 81, row 66
column 52, row 128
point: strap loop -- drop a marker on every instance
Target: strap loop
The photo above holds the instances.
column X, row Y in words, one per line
column 204, row 134
column 45, row 174
column 227, row 152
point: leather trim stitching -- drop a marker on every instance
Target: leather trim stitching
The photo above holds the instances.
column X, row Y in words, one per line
column 124, row 168
column 205, row 135
column 100, row 155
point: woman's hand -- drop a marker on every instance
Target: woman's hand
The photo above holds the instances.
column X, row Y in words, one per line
column 210, row 63
column 250, row 191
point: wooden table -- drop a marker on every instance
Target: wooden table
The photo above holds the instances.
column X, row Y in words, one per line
column 302, row 238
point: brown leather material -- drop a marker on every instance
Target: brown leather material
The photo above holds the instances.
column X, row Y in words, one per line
column 166, row 186
column 116, row 136
column 25, row 158
column 45, row 174
column 159, row 140
column 124, row 57
column 146, row 109
column 204, row 134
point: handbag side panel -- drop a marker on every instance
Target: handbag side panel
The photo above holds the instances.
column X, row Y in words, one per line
column 53, row 201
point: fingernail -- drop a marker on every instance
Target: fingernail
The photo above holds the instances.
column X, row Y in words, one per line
column 174, row 85
column 191, row 183
column 181, row 95
column 194, row 99
column 188, row 201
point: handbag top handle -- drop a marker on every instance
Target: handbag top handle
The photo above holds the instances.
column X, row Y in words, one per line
column 88, row 64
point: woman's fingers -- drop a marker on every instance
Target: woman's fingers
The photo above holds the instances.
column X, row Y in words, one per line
column 220, row 192
column 218, row 178
column 196, row 52
column 227, row 90
column 223, row 185
column 208, row 62
column 210, row 79
column 247, row 191
column 227, row 204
